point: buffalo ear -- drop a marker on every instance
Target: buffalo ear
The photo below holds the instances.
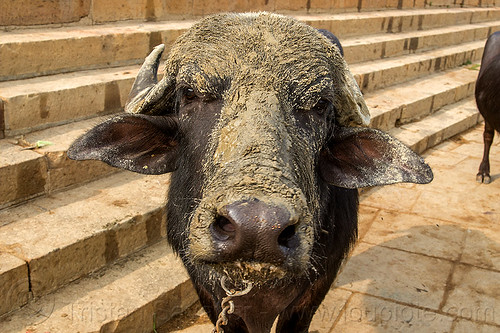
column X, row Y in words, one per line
column 362, row 157
column 139, row 143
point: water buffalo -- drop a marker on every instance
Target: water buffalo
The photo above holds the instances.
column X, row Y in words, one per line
column 264, row 130
column 488, row 100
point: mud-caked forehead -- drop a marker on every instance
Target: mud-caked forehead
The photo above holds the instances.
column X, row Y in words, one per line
column 259, row 50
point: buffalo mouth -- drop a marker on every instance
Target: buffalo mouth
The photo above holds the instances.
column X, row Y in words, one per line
column 256, row 272
column 263, row 275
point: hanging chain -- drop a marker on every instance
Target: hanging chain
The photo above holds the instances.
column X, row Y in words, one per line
column 227, row 304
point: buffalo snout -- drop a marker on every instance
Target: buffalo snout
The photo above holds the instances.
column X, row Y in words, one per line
column 252, row 230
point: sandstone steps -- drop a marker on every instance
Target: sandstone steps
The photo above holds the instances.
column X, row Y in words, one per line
column 135, row 294
column 31, row 52
column 75, row 232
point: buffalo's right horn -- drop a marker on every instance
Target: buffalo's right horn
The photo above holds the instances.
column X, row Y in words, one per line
column 148, row 96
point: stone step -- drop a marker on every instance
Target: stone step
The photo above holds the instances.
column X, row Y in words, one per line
column 81, row 48
column 27, row 173
column 439, row 126
column 33, row 104
column 372, row 47
column 411, row 101
column 136, row 295
column 126, row 43
column 394, row 21
column 54, row 240
column 86, row 12
column 382, row 73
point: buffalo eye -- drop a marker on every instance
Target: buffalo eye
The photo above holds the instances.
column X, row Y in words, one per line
column 189, row 94
column 321, row 106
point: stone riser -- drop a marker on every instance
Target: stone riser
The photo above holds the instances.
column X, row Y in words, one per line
column 32, row 12
column 28, row 173
column 397, row 21
column 358, row 50
column 34, row 104
column 81, row 48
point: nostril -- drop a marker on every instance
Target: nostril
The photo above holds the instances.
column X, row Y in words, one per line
column 223, row 229
column 288, row 238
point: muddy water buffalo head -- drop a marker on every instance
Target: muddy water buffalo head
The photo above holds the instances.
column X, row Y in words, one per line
column 262, row 125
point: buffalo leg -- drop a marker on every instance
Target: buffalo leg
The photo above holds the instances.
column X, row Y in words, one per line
column 483, row 176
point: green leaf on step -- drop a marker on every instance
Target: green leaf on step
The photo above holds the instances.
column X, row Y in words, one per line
column 42, row 143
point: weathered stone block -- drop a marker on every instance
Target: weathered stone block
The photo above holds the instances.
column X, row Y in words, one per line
column 144, row 229
column 14, row 284
column 259, row 5
column 290, row 5
column 206, row 7
column 31, row 12
column 32, row 110
column 320, row 5
column 116, row 10
column 166, row 8
column 345, row 5
column 373, row 4
column 385, row 119
column 64, row 172
column 63, row 265
column 23, row 174
column 416, row 109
